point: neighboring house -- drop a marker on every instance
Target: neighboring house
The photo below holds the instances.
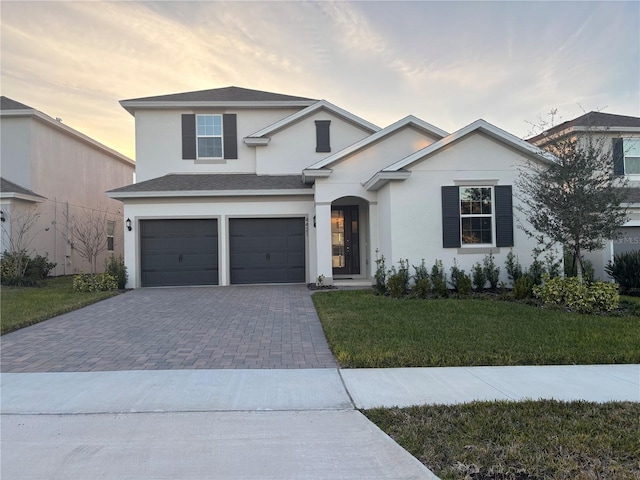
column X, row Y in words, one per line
column 242, row 186
column 621, row 134
column 54, row 174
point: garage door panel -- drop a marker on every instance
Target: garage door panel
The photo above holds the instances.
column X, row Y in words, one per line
column 179, row 252
column 267, row 250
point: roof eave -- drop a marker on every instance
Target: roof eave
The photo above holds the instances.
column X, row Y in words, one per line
column 309, row 176
column 132, row 105
column 210, row 193
column 22, row 196
column 380, row 179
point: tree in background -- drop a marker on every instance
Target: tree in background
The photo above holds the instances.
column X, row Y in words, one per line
column 575, row 199
column 88, row 234
column 18, row 232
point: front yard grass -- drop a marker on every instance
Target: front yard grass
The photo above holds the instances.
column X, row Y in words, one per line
column 520, row 441
column 366, row 331
column 24, row 306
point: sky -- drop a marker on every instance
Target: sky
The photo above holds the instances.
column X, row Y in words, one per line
column 448, row 63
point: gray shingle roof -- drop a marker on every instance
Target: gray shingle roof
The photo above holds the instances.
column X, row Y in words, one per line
column 226, row 94
column 591, row 119
column 8, row 104
column 215, row 182
column 9, row 187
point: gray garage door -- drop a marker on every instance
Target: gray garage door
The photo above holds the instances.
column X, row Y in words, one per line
column 267, row 250
column 179, row 252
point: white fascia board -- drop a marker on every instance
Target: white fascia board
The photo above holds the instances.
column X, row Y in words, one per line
column 210, row 193
column 480, row 126
column 58, row 125
column 21, row 196
column 309, row 176
column 607, row 129
column 409, row 120
column 319, row 105
column 131, row 105
column 380, row 179
column 256, row 141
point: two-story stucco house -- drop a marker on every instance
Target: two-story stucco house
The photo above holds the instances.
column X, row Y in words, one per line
column 242, row 186
column 621, row 136
column 57, row 173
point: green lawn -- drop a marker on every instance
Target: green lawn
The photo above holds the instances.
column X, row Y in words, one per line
column 365, row 330
column 24, row 306
column 518, row 441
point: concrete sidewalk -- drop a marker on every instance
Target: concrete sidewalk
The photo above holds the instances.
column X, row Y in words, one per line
column 252, row 424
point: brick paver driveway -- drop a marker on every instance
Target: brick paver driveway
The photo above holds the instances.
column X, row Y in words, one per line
column 177, row 328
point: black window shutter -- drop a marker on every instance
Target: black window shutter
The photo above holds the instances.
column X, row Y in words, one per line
column 618, row 156
column 504, row 215
column 323, row 143
column 230, row 132
column 450, row 217
column 189, row 136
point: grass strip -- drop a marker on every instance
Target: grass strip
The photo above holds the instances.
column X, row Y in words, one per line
column 519, row 440
column 24, row 306
column 368, row 331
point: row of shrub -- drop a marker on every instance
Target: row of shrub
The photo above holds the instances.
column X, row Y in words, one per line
column 18, row 268
column 114, row 278
column 541, row 280
column 625, row 270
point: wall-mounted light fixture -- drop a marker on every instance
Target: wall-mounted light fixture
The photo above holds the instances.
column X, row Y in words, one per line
column 128, row 222
column 314, row 221
column 2, row 219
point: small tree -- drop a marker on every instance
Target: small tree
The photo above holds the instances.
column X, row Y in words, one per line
column 574, row 200
column 88, row 232
column 18, row 231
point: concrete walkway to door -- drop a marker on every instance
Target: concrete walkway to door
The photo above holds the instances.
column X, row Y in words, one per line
column 265, row 326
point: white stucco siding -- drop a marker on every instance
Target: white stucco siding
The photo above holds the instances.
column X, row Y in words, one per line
column 221, row 209
column 362, row 165
column 415, row 216
column 159, row 142
column 15, row 145
column 294, row 148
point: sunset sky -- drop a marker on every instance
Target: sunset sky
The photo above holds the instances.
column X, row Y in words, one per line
column 448, row 63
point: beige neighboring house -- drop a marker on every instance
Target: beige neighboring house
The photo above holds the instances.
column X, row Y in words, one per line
column 57, row 174
column 622, row 136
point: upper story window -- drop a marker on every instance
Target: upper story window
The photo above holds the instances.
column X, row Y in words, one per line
column 209, row 134
column 111, row 230
column 476, row 215
column 631, row 151
column 209, row 138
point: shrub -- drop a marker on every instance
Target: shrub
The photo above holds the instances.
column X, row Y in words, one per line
column 625, row 270
column 460, row 281
column 523, row 287
column 535, row 272
column 576, row 296
column 94, row 283
column 491, row 271
column 553, row 265
column 381, row 276
column 115, row 266
column 439, row 280
column 17, row 268
column 422, row 288
column 421, row 272
column 479, row 277
column 514, row 269
column 398, row 280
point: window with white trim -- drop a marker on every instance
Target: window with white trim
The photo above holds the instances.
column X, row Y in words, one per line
column 476, row 215
column 111, row 230
column 631, row 148
column 209, row 136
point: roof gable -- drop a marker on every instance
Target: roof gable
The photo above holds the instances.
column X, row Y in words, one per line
column 9, row 189
column 316, row 107
column 7, row 103
column 406, row 122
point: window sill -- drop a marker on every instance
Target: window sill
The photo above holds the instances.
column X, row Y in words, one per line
column 209, row 161
column 478, row 250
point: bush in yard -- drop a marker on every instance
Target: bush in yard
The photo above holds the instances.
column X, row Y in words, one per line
column 439, row 280
column 514, row 269
column 115, row 266
column 381, row 276
column 576, row 296
column 479, row 277
column 18, row 268
column 422, row 283
column 398, row 280
column 625, row 270
column 460, row 281
column 101, row 282
column 491, row 271
column 523, row 287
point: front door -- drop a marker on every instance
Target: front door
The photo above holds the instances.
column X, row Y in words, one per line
column 345, row 240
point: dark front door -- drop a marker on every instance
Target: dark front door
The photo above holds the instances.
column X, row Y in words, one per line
column 345, row 240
